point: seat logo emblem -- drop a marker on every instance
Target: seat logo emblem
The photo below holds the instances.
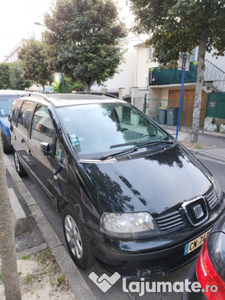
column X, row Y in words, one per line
column 198, row 211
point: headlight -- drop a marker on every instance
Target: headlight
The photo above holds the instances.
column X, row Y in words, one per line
column 217, row 187
column 128, row 225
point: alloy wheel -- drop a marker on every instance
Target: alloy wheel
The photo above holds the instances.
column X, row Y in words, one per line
column 73, row 236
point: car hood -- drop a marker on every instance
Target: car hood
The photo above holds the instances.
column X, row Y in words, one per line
column 152, row 182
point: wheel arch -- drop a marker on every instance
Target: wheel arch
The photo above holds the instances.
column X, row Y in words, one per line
column 71, row 203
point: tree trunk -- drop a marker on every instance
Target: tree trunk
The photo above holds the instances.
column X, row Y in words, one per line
column 88, row 88
column 7, row 238
column 198, row 91
column 89, row 84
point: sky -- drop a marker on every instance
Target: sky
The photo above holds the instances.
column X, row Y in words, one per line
column 17, row 19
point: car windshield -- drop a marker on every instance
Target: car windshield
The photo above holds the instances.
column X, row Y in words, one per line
column 6, row 104
column 97, row 130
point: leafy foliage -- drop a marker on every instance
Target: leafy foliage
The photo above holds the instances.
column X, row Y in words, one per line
column 33, row 58
column 4, row 76
column 11, row 77
column 180, row 26
column 69, row 85
column 55, row 87
column 16, row 80
column 83, row 39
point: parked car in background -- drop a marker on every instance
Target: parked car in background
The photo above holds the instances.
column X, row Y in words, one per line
column 130, row 195
column 209, row 268
column 7, row 97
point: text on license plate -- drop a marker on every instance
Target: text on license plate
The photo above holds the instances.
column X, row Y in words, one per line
column 191, row 246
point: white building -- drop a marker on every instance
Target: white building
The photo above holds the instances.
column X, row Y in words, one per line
column 125, row 79
column 13, row 54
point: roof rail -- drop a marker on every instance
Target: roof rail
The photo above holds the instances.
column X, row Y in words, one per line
column 97, row 93
column 35, row 94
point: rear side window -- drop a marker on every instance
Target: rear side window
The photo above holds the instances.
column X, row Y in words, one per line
column 15, row 111
column 42, row 129
column 25, row 115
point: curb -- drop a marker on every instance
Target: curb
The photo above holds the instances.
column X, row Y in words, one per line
column 21, row 225
column 206, row 155
column 77, row 283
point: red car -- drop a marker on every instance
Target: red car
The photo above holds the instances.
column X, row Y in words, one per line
column 209, row 268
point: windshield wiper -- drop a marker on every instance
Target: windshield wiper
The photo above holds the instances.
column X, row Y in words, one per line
column 135, row 148
column 129, row 150
column 124, row 144
column 142, row 144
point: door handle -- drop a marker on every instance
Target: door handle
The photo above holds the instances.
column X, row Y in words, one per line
column 14, row 137
column 29, row 151
column 23, row 140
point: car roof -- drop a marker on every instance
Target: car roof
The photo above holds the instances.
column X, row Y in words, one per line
column 72, row 99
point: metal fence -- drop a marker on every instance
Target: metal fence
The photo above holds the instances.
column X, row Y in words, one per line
column 162, row 110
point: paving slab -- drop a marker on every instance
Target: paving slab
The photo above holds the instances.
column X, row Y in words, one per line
column 77, row 283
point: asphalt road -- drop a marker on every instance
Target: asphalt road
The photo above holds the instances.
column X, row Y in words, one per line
column 217, row 168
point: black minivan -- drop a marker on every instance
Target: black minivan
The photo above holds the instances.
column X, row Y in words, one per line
column 130, row 195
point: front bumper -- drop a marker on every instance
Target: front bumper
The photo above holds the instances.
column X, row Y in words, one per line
column 139, row 264
column 151, row 257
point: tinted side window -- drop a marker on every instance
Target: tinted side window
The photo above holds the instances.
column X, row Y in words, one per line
column 59, row 154
column 42, row 129
column 25, row 115
column 15, row 111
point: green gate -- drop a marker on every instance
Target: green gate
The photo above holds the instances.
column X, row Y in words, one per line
column 216, row 105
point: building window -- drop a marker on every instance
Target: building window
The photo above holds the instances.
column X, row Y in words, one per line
column 150, row 54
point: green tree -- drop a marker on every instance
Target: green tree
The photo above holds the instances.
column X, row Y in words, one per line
column 34, row 63
column 83, row 39
column 4, row 76
column 16, row 80
column 180, row 26
column 69, row 85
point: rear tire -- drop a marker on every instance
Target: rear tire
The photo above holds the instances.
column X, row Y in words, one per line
column 76, row 239
column 5, row 145
column 19, row 168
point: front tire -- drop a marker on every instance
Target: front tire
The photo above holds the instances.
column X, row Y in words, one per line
column 19, row 168
column 76, row 239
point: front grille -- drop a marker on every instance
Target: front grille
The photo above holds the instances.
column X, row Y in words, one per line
column 170, row 221
column 212, row 198
column 189, row 208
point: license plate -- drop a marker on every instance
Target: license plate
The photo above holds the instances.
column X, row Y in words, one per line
column 191, row 246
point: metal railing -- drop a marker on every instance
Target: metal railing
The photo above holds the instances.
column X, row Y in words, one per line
column 214, row 76
column 172, row 75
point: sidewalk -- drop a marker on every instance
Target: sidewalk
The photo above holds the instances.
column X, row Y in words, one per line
column 210, row 146
column 41, row 238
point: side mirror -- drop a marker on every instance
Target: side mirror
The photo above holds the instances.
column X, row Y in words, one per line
column 10, row 118
column 46, row 149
